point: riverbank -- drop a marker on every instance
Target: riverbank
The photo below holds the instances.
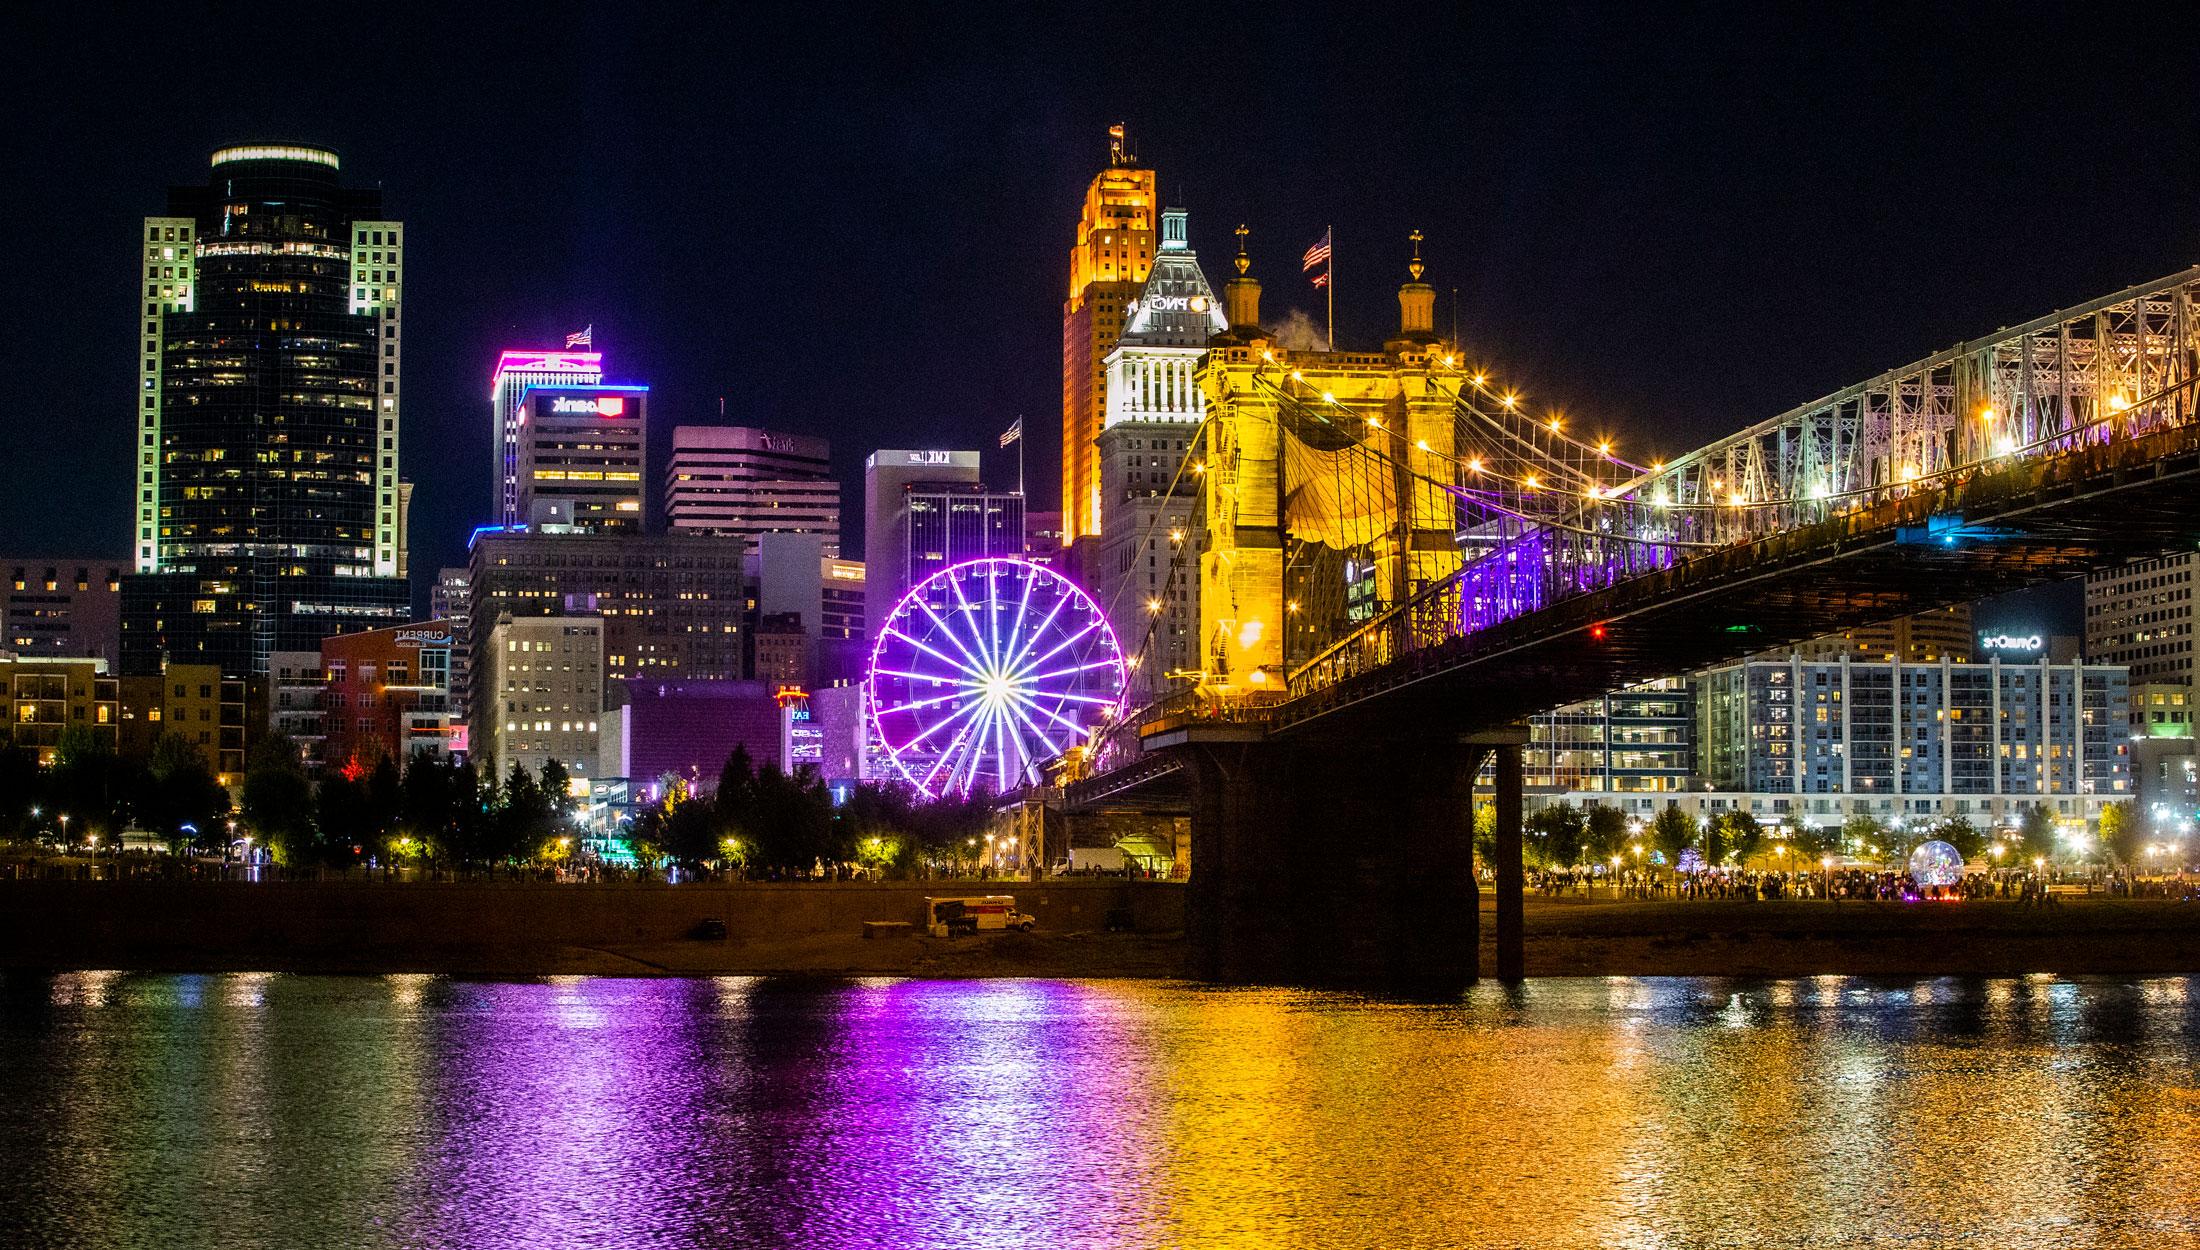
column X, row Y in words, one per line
column 1086, row 928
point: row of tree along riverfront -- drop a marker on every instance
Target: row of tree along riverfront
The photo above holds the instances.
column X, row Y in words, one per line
column 433, row 816
column 1561, row 836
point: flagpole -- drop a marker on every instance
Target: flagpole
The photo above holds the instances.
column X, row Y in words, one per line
column 1019, row 455
column 1330, row 233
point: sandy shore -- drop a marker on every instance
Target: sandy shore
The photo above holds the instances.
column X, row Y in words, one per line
column 639, row 933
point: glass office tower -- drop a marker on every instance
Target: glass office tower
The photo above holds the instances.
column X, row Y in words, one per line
column 268, row 509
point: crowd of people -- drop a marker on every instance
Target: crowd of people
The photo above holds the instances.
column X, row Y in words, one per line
column 2026, row 887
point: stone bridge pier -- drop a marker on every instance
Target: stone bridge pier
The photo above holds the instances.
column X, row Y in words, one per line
column 1320, row 863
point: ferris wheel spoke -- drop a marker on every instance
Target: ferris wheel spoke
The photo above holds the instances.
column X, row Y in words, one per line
column 958, row 714
column 973, row 665
column 1055, row 715
column 1024, row 612
column 1036, row 731
column 918, row 704
column 993, row 610
column 967, row 683
column 974, row 754
column 1085, row 698
column 1063, row 645
column 1026, row 679
column 970, row 623
column 1031, row 640
column 936, row 653
column 945, row 756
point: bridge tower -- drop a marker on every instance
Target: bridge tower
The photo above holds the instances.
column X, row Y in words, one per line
column 1320, row 482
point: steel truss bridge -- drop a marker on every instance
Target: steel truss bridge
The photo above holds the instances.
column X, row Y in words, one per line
column 2037, row 453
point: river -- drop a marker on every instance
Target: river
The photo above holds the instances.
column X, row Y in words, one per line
column 243, row 1111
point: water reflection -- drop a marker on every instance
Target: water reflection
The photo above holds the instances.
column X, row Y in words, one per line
column 410, row 1111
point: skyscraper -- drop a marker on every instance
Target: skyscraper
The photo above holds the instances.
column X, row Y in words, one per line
column 733, row 479
column 516, row 373
column 268, row 510
column 888, row 479
column 581, row 453
column 1110, row 258
column 1145, row 567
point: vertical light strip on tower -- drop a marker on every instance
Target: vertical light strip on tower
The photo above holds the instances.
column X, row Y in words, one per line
column 377, row 266
column 170, row 269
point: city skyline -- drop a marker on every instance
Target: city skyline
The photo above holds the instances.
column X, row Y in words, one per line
column 741, row 319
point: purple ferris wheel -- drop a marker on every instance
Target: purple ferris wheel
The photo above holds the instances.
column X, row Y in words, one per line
column 985, row 671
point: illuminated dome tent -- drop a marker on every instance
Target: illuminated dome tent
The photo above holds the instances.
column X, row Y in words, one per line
column 1936, row 863
column 987, row 669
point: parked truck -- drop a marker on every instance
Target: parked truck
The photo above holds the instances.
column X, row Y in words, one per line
column 951, row 917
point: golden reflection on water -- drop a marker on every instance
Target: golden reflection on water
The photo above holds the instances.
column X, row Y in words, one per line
column 1621, row 1112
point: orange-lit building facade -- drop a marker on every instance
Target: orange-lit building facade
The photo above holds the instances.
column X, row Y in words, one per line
column 389, row 693
column 1107, row 264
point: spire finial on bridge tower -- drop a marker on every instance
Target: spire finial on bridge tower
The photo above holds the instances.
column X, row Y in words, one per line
column 1241, row 295
column 1416, row 304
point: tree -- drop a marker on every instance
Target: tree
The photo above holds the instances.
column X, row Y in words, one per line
column 426, row 818
column 1861, row 831
column 521, row 822
column 1740, row 837
column 1485, row 833
column 86, row 782
column 278, row 799
column 1606, row 835
column 792, row 822
column 1671, row 832
column 557, row 790
column 178, row 797
column 22, row 791
column 2121, row 832
column 734, row 800
column 1557, row 832
column 687, row 827
column 342, row 817
column 2036, row 833
column 1958, row 832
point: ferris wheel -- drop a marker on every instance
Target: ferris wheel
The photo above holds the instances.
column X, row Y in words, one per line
column 986, row 670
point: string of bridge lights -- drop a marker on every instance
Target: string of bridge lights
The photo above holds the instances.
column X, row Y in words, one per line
column 1593, row 492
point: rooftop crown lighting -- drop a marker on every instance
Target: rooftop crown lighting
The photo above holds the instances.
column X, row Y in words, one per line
column 275, row 152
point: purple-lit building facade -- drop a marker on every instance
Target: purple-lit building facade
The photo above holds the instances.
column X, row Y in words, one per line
column 688, row 728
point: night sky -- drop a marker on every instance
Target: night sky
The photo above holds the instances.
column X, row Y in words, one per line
column 1667, row 225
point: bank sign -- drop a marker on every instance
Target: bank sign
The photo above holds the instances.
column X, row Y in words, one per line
column 601, row 406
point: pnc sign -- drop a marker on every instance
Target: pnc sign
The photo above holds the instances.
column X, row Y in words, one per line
column 603, row 406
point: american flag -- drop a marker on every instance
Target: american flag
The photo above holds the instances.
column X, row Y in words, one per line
column 1014, row 432
column 1316, row 254
column 582, row 338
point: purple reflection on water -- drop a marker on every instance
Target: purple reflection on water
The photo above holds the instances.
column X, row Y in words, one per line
column 740, row 1112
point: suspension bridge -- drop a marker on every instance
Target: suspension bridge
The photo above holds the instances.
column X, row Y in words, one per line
column 1397, row 563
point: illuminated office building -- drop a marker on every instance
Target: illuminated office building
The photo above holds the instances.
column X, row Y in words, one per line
column 731, row 479
column 581, row 454
column 1110, row 258
column 57, row 607
column 517, row 372
column 267, row 500
column 670, row 605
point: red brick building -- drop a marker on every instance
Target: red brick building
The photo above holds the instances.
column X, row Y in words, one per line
column 389, row 693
